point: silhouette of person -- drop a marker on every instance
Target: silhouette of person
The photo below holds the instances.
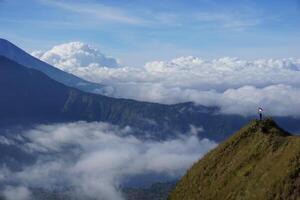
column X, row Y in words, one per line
column 260, row 111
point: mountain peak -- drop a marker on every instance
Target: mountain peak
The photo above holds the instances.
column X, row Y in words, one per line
column 266, row 126
column 2, row 41
column 6, row 47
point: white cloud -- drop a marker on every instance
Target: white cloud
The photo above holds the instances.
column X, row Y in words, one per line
column 16, row 193
column 75, row 55
column 236, row 86
column 279, row 100
column 96, row 158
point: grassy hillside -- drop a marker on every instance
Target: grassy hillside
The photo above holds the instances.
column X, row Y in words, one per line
column 261, row 161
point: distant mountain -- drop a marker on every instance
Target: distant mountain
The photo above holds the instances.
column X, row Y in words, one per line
column 29, row 96
column 261, row 161
column 158, row 191
column 9, row 50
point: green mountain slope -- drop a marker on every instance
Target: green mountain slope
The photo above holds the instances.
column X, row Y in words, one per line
column 261, row 161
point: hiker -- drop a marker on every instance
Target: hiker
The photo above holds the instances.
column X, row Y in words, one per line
column 260, row 111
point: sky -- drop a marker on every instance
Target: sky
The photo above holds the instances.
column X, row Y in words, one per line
column 137, row 32
column 235, row 54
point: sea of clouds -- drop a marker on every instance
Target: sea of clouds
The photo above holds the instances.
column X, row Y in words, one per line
column 236, row 86
column 94, row 159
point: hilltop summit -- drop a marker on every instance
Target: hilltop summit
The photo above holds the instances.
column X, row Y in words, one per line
column 261, row 161
column 266, row 126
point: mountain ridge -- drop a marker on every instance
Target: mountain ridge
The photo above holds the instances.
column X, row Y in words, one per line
column 29, row 97
column 261, row 161
column 13, row 52
column 149, row 120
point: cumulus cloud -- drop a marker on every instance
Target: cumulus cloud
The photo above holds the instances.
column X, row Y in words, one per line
column 236, row 86
column 95, row 159
column 75, row 55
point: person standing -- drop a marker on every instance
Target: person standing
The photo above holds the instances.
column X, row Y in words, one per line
column 260, row 113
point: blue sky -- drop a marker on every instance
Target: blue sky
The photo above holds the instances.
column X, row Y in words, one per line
column 140, row 31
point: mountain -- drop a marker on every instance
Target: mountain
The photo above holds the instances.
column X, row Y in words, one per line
column 9, row 50
column 29, row 97
column 261, row 161
column 158, row 191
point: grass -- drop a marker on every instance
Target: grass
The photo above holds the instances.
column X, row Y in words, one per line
column 261, row 161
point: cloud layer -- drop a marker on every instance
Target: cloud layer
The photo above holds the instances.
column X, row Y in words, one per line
column 96, row 158
column 16, row 193
column 236, row 86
